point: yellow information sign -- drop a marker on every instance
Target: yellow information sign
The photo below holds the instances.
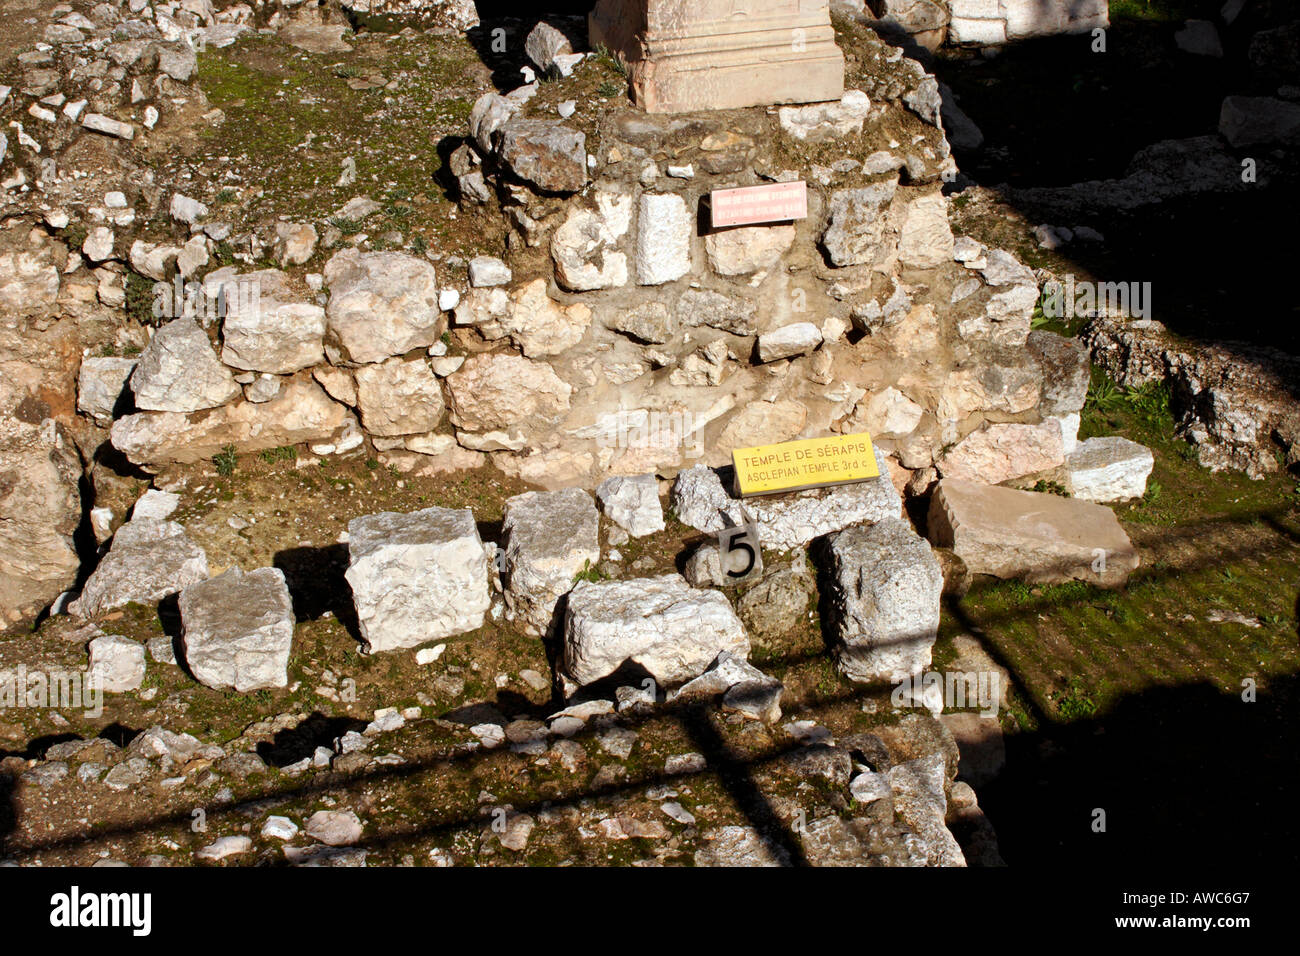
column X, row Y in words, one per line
column 810, row 463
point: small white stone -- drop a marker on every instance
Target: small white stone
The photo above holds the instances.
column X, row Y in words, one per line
column 427, row 655
column 224, row 847
column 486, row 271
column 279, row 828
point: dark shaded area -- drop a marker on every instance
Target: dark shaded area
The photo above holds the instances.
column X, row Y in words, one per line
column 290, row 746
column 505, row 56
column 118, row 734
column 37, row 747
column 737, row 778
column 1185, row 775
column 1054, row 113
column 8, row 805
column 317, row 586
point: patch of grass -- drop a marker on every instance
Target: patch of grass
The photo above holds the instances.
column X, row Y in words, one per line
column 609, row 89
column 223, row 254
column 281, row 454
column 349, row 227
column 75, row 235
column 1051, row 488
column 1149, row 407
column 1152, row 494
column 1162, row 11
column 1104, row 396
column 140, row 299
column 1075, row 703
column 225, row 461
column 609, row 60
column 1151, row 404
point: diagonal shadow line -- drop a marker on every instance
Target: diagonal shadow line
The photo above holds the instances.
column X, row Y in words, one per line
column 1149, row 574
column 336, row 783
column 397, row 836
column 739, row 782
column 1274, row 522
column 969, row 625
column 732, row 770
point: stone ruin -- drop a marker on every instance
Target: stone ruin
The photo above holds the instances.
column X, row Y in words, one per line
column 619, row 333
column 619, row 339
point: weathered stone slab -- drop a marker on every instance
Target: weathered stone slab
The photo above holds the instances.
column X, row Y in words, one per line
column 1025, row 534
column 381, row 304
column 632, row 503
column 926, row 241
column 1036, row 18
column 885, row 591
column 148, row 560
column 40, row 508
column 785, row 521
column 741, row 687
column 1108, row 469
column 276, row 337
column 1066, row 371
column 744, row 250
column 706, row 56
column 100, row 384
column 543, row 45
column 664, row 625
column 538, row 324
column 824, row 121
column 546, row 153
column 117, row 663
column 416, row 577
column 704, row 307
column 549, row 537
column 997, row 453
column 739, row 846
column 179, row 372
column 920, row 799
column 399, row 397
column 857, row 222
column 798, row 338
column 663, row 244
column 585, row 253
column 300, row 412
column 237, row 630
column 495, row 391
column 1254, row 120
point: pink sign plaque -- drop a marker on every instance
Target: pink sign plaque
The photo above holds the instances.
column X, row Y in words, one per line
column 776, row 202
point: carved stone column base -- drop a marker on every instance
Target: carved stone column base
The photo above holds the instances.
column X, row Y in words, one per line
column 684, row 55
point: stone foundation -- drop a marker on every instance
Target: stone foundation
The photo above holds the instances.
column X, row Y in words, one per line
column 686, row 55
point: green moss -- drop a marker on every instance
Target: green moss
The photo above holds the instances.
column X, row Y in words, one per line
column 140, row 299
